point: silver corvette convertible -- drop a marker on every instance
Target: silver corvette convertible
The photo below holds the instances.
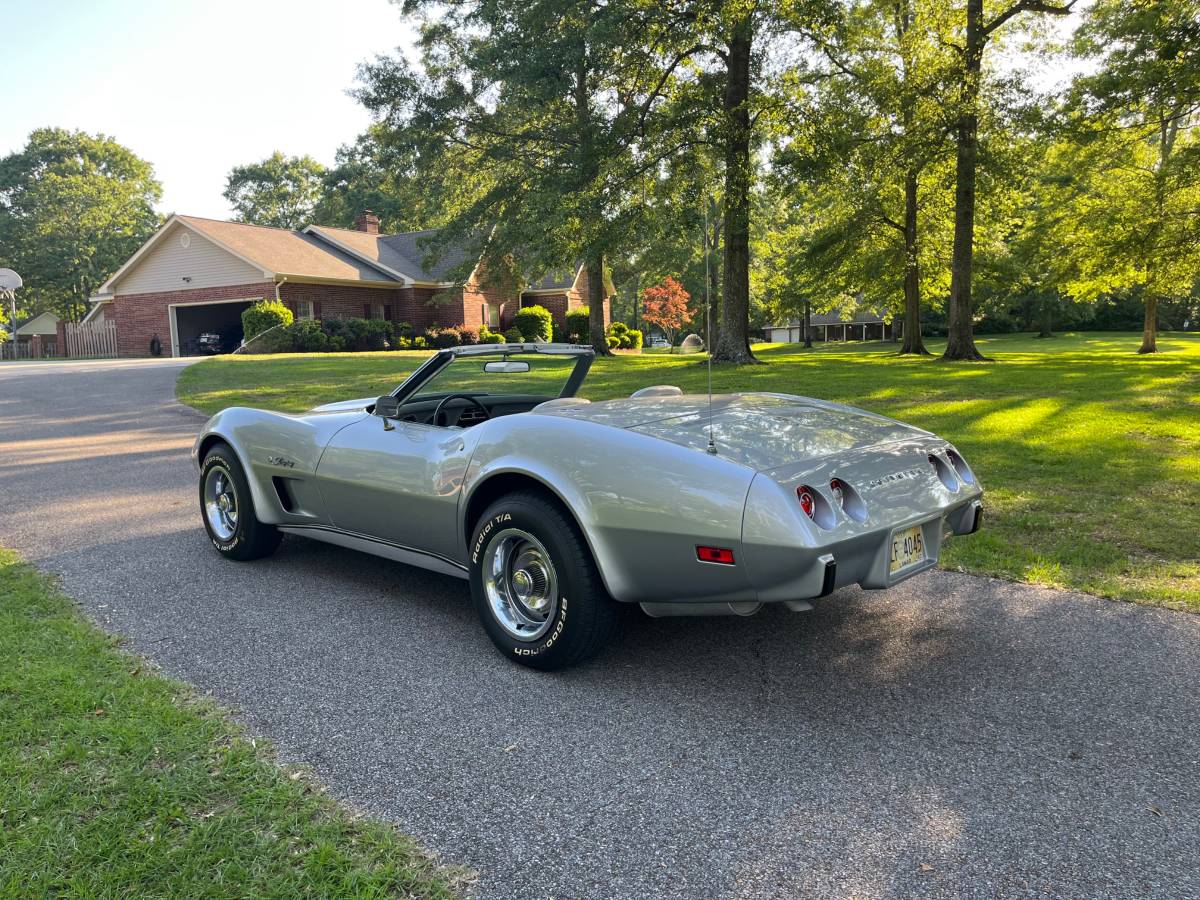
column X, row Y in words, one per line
column 484, row 464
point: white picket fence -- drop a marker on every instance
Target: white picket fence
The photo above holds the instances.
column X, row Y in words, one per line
column 92, row 340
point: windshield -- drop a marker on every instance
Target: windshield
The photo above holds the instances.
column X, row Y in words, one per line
column 546, row 377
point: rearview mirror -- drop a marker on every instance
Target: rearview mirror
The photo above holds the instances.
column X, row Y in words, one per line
column 507, row 367
column 387, row 407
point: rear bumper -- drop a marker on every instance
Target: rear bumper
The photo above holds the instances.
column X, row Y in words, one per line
column 781, row 572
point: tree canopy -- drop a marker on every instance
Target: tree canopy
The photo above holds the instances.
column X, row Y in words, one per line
column 280, row 191
column 73, row 208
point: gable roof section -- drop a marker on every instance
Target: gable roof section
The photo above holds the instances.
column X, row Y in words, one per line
column 403, row 254
column 42, row 323
column 274, row 251
column 367, row 247
column 556, row 280
column 284, row 252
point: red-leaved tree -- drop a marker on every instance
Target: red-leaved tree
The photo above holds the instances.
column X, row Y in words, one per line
column 666, row 305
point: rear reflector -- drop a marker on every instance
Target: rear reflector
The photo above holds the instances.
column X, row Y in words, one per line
column 721, row 555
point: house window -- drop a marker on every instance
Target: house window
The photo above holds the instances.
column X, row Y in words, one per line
column 377, row 311
column 304, row 309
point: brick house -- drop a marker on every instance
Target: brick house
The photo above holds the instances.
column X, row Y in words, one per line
column 196, row 275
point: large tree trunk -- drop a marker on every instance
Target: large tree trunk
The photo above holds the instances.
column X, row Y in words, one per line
column 595, row 295
column 734, row 340
column 1046, row 320
column 808, row 324
column 712, row 241
column 1150, row 326
column 913, row 342
column 961, row 344
column 589, row 171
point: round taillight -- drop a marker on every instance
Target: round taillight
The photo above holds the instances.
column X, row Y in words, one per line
column 945, row 474
column 835, row 488
column 807, row 503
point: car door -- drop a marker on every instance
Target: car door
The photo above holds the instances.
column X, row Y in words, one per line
column 400, row 485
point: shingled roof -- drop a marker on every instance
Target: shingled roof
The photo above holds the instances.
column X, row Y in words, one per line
column 334, row 254
column 405, row 253
column 283, row 252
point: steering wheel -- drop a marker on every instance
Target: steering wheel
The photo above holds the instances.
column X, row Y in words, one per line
column 437, row 412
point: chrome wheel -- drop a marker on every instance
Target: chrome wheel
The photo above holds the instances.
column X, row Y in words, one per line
column 220, row 503
column 520, row 584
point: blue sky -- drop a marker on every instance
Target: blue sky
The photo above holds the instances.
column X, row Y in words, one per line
column 194, row 87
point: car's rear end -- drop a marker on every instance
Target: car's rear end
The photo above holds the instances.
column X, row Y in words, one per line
column 839, row 496
column 871, row 516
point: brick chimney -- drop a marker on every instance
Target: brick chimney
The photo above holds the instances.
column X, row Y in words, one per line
column 367, row 221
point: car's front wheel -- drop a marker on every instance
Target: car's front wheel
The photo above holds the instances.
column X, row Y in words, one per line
column 228, row 509
column 535, row 586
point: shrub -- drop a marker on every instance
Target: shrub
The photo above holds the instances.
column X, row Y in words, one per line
column 490, row 337
column 578, row 329
column 262, row 316
column 279, row 339
column 419, row 342
column 403, row 343
column 404, row 329
column 628, row 338
column 534, row 323
column 444, row 338
column 469, row 336
column 309, row 337
column 514, row 336
column 613, row 342
column 360, row 334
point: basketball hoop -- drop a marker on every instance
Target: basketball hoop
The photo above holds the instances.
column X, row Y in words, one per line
column 9, row 282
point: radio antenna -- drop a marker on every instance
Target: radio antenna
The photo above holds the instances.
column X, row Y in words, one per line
column 712, row 446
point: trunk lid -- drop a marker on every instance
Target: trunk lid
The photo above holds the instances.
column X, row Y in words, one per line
column 762, row 431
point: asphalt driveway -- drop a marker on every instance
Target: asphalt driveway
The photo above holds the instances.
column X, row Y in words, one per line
column 955, row 736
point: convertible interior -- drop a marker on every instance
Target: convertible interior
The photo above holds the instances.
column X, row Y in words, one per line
column 466, row 409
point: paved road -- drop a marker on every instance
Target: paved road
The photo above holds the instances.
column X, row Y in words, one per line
column 955, row 736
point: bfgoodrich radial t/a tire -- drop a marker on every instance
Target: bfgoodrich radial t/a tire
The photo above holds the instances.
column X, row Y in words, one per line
column 228, row 509
column 535, row 585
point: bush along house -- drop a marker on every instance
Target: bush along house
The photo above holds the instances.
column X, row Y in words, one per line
column 195, row 276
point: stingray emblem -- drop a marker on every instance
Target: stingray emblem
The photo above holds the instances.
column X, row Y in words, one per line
column 282, row 461
column 893, row 477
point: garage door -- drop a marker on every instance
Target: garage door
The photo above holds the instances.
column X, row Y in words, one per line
column 189, row 321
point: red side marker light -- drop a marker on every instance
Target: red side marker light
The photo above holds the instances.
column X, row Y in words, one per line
column 721, row 555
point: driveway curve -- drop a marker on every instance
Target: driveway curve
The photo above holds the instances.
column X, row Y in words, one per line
column 956, row 736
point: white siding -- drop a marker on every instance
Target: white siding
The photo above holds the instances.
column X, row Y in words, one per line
column 164, row 267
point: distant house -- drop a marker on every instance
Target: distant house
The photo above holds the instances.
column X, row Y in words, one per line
column 197, row 275
column 866, row 325
column 36, row 338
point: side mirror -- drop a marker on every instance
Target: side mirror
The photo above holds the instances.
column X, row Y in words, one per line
column 387, row 407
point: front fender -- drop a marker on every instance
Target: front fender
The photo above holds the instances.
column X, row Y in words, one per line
column 270, row 445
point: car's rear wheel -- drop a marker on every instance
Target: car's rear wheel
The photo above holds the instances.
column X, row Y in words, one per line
column 535, row 585
column 228, row 509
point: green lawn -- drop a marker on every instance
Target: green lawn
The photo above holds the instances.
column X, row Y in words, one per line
column 116, row 782
column 1089, row 453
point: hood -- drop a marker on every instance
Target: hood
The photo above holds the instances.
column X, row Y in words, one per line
column 763, row 431
column 345, row 405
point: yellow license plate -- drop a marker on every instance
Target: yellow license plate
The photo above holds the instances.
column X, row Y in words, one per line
column 908, row 548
